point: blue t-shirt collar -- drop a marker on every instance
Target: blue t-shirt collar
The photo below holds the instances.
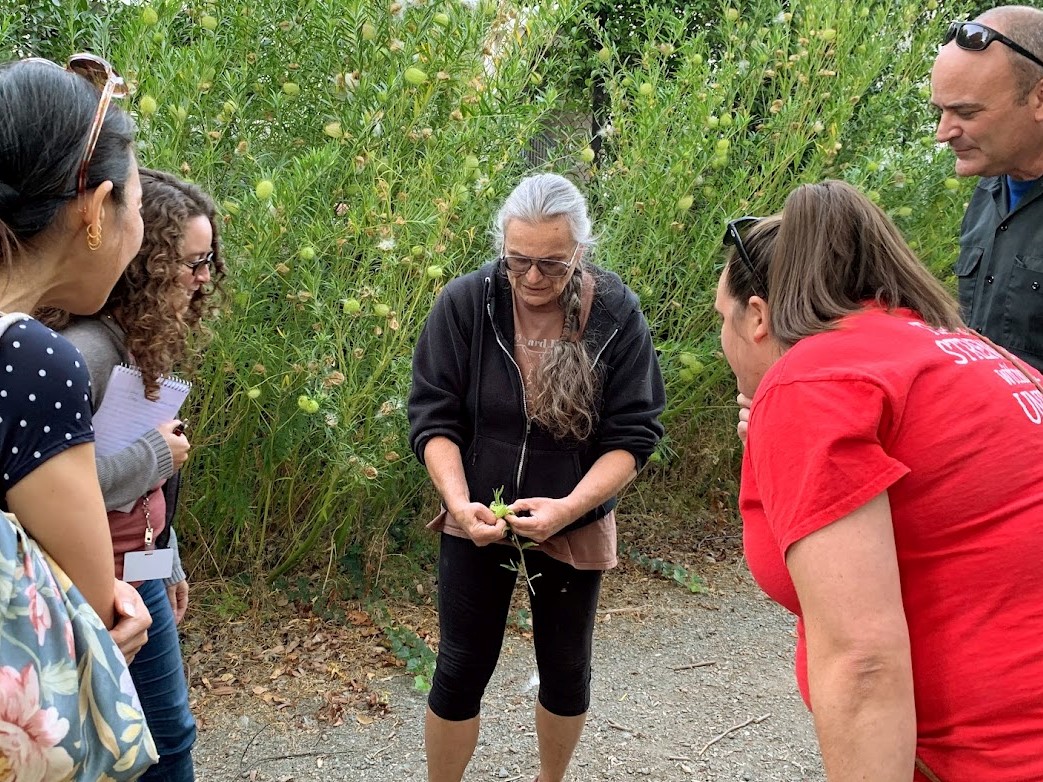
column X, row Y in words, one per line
column 1019, row 189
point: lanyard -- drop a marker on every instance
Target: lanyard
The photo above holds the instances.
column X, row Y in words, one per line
column 148, row 523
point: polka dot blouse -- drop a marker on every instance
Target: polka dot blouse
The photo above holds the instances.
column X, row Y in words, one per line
column 44, row 400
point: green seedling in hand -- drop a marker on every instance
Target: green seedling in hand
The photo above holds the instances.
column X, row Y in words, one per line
column 501, row 510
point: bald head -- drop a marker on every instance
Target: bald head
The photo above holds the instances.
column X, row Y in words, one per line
column 1024, row 25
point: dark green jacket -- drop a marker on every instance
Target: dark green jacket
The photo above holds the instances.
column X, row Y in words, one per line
column 1000, row 269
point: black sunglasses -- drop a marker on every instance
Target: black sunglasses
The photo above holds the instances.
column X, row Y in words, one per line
column 207, row 261
column 976, row 37
column 733, row 237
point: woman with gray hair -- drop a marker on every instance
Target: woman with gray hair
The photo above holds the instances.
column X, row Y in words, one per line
column 535, row 382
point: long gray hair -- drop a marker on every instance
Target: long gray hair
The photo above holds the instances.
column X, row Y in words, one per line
column 564, row 387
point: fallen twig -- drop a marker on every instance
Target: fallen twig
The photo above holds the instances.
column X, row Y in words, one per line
column 242, row 758
column 700, row 664
column 383, row 749
column 624, row 728
column 732, row 729
column 626, row 610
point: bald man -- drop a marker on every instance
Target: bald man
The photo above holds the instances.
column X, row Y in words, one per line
column 987, row 85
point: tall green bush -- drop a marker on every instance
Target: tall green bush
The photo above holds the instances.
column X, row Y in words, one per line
column 359, row 149
column 722, row 111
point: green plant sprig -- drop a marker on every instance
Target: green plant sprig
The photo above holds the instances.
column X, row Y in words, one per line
column 671, row 570
column 500, row 510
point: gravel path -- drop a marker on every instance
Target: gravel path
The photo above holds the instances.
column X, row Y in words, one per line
column 674, row 675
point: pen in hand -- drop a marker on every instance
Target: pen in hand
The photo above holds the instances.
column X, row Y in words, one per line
column 180, row 428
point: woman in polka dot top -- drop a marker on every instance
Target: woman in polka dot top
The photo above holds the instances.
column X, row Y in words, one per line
column 69, row 224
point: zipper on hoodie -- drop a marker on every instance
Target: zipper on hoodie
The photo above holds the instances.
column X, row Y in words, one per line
column 525, row 402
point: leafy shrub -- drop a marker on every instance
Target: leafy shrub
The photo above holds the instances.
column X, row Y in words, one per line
column 726, row 121
column 359, row 150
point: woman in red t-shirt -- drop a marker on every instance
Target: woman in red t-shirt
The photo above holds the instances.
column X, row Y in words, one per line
column 892, row 495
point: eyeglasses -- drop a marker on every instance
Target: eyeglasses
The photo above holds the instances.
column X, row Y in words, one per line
column 733, row 237
column 976, row 37
column 103, row 76
column 520, row 264
column 207, row 261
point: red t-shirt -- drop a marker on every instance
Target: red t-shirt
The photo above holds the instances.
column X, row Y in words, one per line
column 954, row 433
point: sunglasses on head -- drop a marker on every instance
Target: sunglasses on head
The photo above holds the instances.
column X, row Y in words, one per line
column 733, row 238
column 102, row 75
column 976, row 37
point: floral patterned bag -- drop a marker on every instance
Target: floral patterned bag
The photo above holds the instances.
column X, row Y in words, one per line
column 68, row 708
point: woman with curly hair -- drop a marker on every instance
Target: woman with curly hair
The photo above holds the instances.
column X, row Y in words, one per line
column 157, row 303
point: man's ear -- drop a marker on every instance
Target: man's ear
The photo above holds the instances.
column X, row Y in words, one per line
column 1035, row 98
column 93, row 209
column 758, row 315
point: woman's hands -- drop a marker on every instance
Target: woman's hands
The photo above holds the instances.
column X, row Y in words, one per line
column 177, row 443
column 480, row 524
column 547, row 517
column 132, row 620
column 743, row 427
column 177, row 594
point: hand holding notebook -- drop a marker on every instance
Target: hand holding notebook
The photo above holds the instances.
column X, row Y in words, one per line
column 126, row 414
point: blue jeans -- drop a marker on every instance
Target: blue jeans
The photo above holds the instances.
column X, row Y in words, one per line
column 159, row 676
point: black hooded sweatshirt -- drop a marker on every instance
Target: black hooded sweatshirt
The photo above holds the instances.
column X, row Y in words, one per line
column 467, row 387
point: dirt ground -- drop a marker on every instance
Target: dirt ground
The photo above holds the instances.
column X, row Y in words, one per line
column 686, row 687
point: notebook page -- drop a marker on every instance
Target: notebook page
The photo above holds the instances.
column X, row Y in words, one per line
column 125, row 414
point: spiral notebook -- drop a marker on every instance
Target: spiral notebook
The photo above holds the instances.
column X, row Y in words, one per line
column 126, row 414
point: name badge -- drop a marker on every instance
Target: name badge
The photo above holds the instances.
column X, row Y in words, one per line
column 148, row 565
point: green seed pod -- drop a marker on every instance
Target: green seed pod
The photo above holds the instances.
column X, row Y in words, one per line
column 415, row 76
column 264, row 189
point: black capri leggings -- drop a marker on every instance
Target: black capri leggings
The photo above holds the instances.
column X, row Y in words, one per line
column 474, row 598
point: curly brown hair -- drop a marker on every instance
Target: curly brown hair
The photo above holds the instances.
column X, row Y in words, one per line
column 144, row 301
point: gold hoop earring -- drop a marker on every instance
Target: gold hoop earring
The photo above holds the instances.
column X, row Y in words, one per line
column 93, row 236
